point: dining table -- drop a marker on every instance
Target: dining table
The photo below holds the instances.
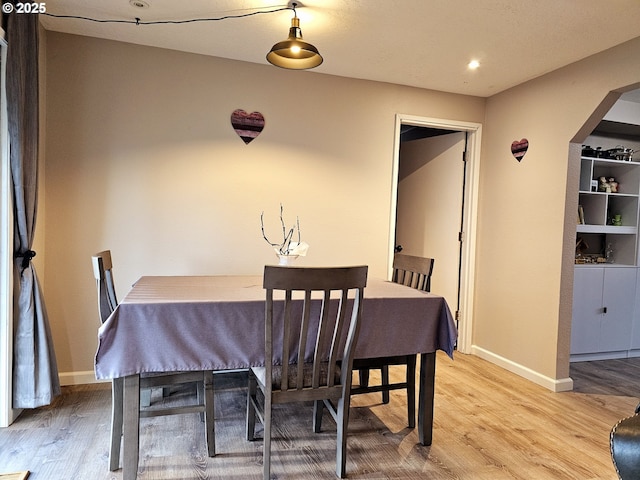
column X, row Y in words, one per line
column 200, row 323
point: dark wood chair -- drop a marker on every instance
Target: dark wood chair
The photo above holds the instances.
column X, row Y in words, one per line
column 625, row 447
column 414, row 272
column 302, row 335
column 107, row 302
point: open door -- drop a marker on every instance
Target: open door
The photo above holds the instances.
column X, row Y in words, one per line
column 430, row 205
column 428, row 218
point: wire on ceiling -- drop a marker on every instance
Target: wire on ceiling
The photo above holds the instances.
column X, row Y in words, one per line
column 138, row 21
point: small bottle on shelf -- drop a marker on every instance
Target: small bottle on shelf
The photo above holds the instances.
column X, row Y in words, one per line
column 608, row 253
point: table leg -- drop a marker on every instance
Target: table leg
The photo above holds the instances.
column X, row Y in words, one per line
column 425, row 397
column 117, row 402
column 131, row 430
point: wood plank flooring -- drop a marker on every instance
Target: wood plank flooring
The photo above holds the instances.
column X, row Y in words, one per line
column 489, row 424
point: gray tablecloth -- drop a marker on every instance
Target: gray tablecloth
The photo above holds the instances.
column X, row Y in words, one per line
column 183, row 323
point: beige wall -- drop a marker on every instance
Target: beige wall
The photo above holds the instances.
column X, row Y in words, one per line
column 141, row 159
column 525, row 261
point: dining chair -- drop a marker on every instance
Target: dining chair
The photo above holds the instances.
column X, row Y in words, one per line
column 414, row 272
column 624, row 443
column 308, row 312
column 107, row 303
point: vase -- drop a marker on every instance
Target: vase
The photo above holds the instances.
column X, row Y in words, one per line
column 286, row 260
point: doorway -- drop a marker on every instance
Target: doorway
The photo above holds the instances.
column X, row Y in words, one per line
column 430, row 204
column 418, row 201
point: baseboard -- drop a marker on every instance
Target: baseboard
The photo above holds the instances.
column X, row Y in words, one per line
column 592, row 357
column 78, row 378
column 555, row 385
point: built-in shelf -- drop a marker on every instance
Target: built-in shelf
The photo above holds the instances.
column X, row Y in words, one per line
column 607, row 229
column 606, row 286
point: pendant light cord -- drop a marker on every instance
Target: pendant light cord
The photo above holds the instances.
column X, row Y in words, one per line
column 138, row 21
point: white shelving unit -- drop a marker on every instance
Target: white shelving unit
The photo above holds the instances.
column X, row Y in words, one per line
column 604, row 292
column 599, row 209
column 606, row 295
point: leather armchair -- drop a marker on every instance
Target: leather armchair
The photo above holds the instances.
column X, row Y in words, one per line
column 625, row 446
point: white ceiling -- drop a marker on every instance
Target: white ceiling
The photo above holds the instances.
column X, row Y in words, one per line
column 421, row 43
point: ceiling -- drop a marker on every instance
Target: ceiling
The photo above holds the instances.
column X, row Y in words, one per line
column 421, row 43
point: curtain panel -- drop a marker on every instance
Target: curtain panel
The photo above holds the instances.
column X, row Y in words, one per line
column 35, row 372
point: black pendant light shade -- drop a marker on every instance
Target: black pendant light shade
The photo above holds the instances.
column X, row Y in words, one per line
column 294, row 53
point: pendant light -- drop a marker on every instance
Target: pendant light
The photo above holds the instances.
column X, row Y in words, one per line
column 294, row 53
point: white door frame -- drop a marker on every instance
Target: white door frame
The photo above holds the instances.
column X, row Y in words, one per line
column 467, row 271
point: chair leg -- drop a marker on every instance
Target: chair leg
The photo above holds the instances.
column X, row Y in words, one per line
column 209, row 417
column 266, row 459
column 342, row 423
column 318, row 407
column 363, row 377
column 411, row 390
column 117, row 392
column 251, row 413
column 384, row 374
column 200, row 397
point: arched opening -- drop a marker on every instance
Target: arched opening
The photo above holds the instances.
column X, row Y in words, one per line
column 602, row 323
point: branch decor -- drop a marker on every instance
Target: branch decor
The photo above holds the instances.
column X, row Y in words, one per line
column 288, row 247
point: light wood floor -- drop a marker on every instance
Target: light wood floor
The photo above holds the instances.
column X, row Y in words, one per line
column 489, row 424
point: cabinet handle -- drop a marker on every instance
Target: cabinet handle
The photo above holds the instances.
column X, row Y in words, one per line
column 604, row 310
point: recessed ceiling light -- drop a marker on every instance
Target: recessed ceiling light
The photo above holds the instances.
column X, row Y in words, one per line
column 473, row 64
column 138, row 3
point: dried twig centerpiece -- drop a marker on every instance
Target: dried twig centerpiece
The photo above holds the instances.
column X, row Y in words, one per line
column 286, row 248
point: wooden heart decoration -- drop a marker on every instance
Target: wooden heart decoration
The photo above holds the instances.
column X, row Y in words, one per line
column 519, row 148
column 247, row 125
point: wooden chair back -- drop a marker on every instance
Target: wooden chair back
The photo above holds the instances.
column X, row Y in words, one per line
column 102, row 271
column 313, row 322
column 412, row 271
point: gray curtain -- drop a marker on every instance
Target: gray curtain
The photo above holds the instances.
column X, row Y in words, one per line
column 35, row 373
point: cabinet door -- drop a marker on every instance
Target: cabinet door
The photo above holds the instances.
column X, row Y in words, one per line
column 588, row 287
column 618, row 301
column 635, row 328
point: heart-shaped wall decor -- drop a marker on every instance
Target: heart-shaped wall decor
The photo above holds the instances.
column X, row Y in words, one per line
column 519, row 148
column 247, row 125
